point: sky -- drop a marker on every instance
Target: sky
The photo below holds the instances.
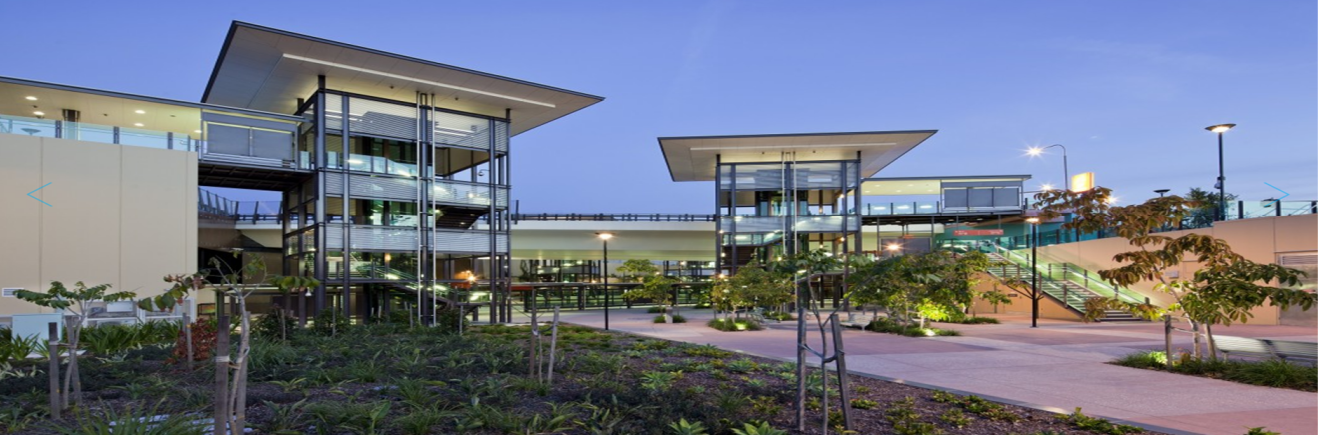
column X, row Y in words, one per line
column 1126, row 86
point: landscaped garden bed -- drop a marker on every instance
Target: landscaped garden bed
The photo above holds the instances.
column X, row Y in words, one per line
column 1268, row 373
column 394, row 380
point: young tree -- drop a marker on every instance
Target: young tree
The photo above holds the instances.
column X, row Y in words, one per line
column 750, row 287
column 636, row 270
column 76, row 301
column 288, row 285
column 237, row 284
column 1224, row 288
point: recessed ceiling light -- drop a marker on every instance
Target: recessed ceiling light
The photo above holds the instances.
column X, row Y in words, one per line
column 139, row 112
column 39, row 113
column 138, row 124
column 31, row 98
column 196, row 131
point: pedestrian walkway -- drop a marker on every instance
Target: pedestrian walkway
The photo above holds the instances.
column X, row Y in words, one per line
column 1058, row 366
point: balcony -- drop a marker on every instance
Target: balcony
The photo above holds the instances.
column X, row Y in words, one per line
column 89, row 132
column 382, row 238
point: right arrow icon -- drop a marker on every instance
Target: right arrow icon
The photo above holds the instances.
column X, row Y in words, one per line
column 1278, row 199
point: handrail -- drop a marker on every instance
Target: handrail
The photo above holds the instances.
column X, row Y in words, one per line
column 620, row 217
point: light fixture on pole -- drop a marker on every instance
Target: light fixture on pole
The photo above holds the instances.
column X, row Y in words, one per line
column 1221, row 168
column 604, row 270
column 1162, row 192
column 1034, row 271
column 1066, row 172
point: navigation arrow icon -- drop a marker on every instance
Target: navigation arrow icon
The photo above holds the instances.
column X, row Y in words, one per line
column 43, row 186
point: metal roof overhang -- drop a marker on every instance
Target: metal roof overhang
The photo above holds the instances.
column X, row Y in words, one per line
column 693, row 158
column 269, row 69
column 902, row 186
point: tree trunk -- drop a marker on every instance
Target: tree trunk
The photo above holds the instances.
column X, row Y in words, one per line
column 240, row 379
column 1212, row 347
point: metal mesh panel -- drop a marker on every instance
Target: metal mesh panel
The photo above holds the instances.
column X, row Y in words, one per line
column 462, row 131
column 468, row 242
column 501, row 136
column 381, row 119
column 272, row 144
column 333, row 112
column 818, row 175
column 365, row 186
column 746, row 224
column 226, row 139
column 753, row 177
column 466, row 194
column 826, row 224
column 379, row 238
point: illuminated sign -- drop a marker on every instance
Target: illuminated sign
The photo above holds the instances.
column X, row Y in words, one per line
column 1082, row 182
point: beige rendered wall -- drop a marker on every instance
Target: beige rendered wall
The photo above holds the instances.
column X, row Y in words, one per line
column 1258, row 239
column 120, row 215
column 1019, row 304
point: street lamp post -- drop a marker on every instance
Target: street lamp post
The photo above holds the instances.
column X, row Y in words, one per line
column 1066, row 172
column 1034, row 271
column 1162, row 192
column 604, row 270
column 1221, row 168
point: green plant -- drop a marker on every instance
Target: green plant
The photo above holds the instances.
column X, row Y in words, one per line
column 15, row 419
column 1081, row 421
column 77, row 301
column 659, row 381
column 759, row 428
column 860, row 389
column 421, row 421
column 1261, row 431
column 133, row 421
column 954, row 418
column 707, row 351
column 765, row 405
column 365, row 420
column 732, row 325
column 679, row 318
column 330, row 322
column 864, row 404
column 682, row 427
column 743, row 366
column 990, row 410
column 16, row 348
column 285, row 419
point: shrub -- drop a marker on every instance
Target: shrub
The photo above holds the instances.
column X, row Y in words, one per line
column 892, row 327
column 707, row 351
column 329, row 322
column 1084, row 422
column 1271, row 373
column 864, row 404
column 732, row 325
column 682, row 427
column 204, row 336
column 448, row 318
column 678, row 319
column 759, row 428
column 660, row 319
column 274, row 324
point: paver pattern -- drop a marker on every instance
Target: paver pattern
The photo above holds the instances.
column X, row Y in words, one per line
column 1059, row 365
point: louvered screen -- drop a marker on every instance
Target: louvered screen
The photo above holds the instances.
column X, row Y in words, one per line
column 468, row 242
column 382, row 119
column 746, row 224
column 501, row 136
column 375, row 238
column 462, row 131
column 333, row 112
column 752, row 177
column 365, row 186
column 1292, row 260
column 818, row 175
column 449, row 192
column 825, row 224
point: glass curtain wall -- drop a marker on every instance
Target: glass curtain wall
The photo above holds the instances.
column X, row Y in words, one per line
column 407, row 196
column 765, row 210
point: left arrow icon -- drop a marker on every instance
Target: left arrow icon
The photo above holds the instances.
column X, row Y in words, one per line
column 43, row 186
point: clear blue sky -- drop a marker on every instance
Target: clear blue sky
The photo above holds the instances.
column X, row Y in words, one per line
column 1127, row 86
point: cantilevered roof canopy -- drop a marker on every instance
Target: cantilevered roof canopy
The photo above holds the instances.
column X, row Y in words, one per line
column 693, row 158
column 902, row 186
column 269, row 69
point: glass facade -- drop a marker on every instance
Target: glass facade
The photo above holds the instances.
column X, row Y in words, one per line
column 405, row 195
column 764, row 207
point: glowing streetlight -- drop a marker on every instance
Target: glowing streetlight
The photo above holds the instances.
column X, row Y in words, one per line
column 1037, row 151
column 604, row 270
column 1221, row 168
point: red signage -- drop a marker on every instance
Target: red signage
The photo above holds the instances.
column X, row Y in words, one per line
column 959, row 233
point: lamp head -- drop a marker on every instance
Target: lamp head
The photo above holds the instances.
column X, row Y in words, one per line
column 604, row 236
column 1220, row 128
column 1034, row 151
column 894, row 247
column 1032, row 220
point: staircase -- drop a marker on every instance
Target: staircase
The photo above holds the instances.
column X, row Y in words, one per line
column 406, row 282
column 1069, row 293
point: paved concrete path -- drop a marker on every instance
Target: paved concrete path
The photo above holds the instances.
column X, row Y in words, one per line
column 1059, row 365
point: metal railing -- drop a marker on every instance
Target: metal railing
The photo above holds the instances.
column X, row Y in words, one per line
column 614, row 217
column 83, row 131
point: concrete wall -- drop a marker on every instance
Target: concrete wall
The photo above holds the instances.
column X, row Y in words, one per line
column 1019, row 304
column 120, row 215
column 1259, row 240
